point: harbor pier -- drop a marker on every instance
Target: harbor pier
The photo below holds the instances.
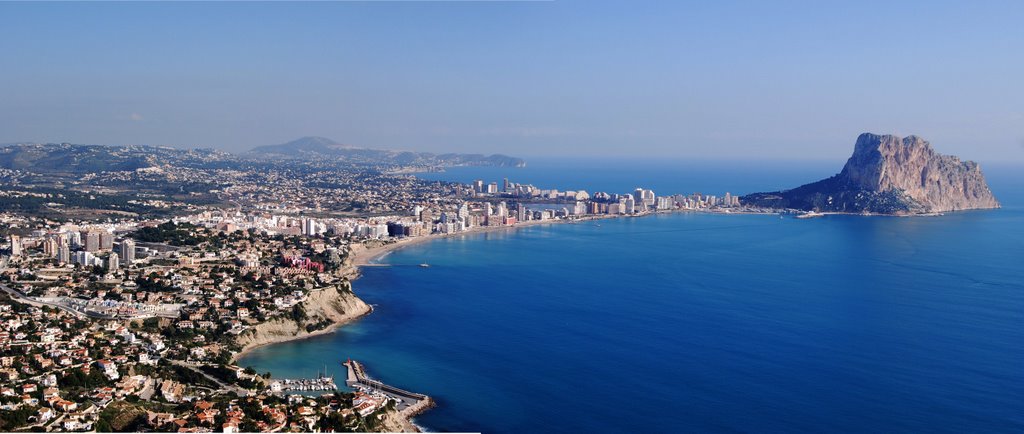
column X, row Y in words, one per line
column 408, row 403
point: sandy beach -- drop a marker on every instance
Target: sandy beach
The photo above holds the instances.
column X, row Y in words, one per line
column 362, row 256
column 366, row 256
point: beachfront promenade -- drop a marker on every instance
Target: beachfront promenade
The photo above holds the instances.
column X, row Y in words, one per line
column 408, row 403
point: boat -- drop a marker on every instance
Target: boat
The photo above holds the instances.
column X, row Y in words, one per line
column 424, row 265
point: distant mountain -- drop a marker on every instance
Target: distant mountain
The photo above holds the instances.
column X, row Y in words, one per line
column 321, row 147
column 890, row 175
column 64, row 158
column 304, row 144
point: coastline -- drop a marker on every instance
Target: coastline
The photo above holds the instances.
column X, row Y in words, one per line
column 335, row 325
column 361, row 256
column 365, row 256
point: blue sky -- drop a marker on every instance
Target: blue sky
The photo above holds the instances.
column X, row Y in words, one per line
column 780, row 80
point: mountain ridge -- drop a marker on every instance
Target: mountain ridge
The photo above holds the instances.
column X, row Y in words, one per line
column 71, row 158
column 320, row 147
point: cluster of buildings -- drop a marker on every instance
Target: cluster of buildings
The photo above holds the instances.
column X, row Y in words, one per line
column 67, row 368
column 478, row 205
column 69, row 244
column 74, row 343
column 489, row 206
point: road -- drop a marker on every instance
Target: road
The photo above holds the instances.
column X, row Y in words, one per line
column 223, row 386
column 148, row 389
column 17, row 295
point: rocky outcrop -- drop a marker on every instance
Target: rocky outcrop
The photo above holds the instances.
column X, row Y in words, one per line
column 324, row 310
column 890, row 175
column 393, row 421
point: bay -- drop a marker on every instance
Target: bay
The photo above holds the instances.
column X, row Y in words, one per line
column 700, row 322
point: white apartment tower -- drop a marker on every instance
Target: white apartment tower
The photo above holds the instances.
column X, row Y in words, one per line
column 15, row 245
column 127, row 252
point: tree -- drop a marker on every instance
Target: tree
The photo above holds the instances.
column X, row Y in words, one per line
column 298, row 313
column 10, row 419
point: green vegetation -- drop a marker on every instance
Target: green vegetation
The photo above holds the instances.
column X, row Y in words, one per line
column 76, row 379
column 175, row 234
column 56, row 203
column 185, row 375
column 10, row 419
column 298, row 313
column 319, row 325
column 121, row 417
column 146, row 285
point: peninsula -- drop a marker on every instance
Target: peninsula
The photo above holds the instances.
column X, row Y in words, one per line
column 890, row 175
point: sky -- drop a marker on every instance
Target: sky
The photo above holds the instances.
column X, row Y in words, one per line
column 672, row 79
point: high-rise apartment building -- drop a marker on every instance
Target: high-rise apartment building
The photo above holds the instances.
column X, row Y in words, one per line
column 106, row 241
column 92, row 242
column 15, row 245
column 63, row 254
column 127, row 249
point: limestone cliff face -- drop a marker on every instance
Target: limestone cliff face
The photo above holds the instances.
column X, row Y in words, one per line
column 936, row 182
column 334, row 304
column 890, row 175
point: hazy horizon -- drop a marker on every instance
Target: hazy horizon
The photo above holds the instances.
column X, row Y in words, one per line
column 797, row 81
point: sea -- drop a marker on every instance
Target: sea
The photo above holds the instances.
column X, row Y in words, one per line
column 692, row 322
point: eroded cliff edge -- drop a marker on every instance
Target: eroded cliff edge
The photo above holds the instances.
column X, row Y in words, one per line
column 890, row 175
column 325, row 309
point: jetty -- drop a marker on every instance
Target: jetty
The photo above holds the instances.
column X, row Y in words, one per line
column 408, row 403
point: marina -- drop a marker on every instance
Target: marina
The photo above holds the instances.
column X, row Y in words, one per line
column 321, row 383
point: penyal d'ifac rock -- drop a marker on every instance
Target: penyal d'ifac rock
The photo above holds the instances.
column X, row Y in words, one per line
column 890, row 175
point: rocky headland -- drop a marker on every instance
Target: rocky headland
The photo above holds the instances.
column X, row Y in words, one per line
column 325, row 309
column 889, row 175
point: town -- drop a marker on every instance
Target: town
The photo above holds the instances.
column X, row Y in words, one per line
column 123, row 322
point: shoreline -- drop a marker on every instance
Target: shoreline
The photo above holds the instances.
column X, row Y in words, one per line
column 326, row 330
column 364, row 256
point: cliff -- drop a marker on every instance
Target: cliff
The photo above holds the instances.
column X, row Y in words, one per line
column 333, row 305
column 890, row 175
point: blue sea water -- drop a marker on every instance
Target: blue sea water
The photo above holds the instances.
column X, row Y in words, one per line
column 699, row 322
column 667, row 176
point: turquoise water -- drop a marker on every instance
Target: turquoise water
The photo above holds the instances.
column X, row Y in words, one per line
column 696, row 322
